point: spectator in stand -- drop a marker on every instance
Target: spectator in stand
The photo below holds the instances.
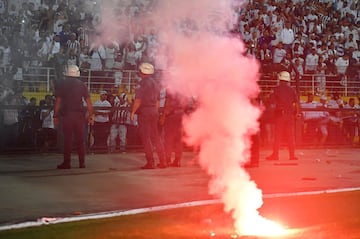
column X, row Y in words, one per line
column 84, row 59
column 252, row 44
column 278, row 55
column 132, row 57
column 322, row 51
column 72, row 57
column 120, row 118
column 286, row 63
column 97, row 64
column 97, row 55
column 111, row 50
column 320, row 77
column 266, row 58
column 54, row 47
column 47, row 134
column 140, row 45
column 335, row 102
column 265, row 39
column 287, row 36
column 65, row 35
column 102, row 122
column 74, row 44
column 298, row 68
column 278, row 22
column 6, row 53
column 277, row 40
column 351, row 42
column 297, row 56
column 298, row 48
column 302, row 36
column 311, row 61
column 311, row 19
column 246, row 33
column 59, row 22
column 60, row 61
column 342, row 63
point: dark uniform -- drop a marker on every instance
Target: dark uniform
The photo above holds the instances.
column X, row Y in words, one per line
column 70, row 107
column 148, row 93
column 286, row 109
column 172, row 121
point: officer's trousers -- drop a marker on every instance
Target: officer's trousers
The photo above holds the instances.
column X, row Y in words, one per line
column 73, row 128
column 148, row 127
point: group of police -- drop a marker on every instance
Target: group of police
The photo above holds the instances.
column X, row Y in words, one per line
column 69, row 105
column 72, row 91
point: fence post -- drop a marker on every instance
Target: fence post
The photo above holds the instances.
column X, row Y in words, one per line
column 48, row 79
column 89, row 80
column 345, row 85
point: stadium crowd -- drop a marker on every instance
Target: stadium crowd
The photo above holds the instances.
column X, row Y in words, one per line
column 303, row 37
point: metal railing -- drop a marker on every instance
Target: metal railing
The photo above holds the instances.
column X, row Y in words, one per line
column 42, row 79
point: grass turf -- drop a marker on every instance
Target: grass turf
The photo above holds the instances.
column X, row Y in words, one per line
column 313, row 216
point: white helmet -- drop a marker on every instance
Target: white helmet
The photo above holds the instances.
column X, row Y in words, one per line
column 284, row 76
column 73, row 71
column 146, row 68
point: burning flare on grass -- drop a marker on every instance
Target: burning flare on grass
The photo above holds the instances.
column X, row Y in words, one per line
column 202, row 59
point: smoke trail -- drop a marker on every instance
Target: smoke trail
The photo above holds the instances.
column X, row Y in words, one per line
column 206, row 62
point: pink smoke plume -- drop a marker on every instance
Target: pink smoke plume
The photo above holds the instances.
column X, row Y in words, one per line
column 205, row 61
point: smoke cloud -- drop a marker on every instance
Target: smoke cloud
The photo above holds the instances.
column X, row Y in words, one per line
column 205, row 61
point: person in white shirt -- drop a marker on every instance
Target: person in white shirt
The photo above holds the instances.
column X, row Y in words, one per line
column 119, row 121
column 351, row 42
column 342, row 64
column 55, row 46
column 310, row 19
column 278, row 55
column 287, row 36
column 97, row 55
column 47, row 134
column 311, row 61
column 277, row 34
column 110, row 51
column 101, row 128
column 84, row 58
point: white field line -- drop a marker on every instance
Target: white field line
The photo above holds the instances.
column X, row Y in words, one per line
column 47, row 220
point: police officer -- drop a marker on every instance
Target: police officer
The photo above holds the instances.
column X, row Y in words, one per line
column 286, row 109
column 146, row 106
column 69, row 105
column 171, row 119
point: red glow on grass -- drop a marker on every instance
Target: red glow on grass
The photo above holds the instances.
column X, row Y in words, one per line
column 260, row 226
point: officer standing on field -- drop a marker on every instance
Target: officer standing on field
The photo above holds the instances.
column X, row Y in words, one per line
column 286, row 110
column 69, row 108
column 146, row 106
column 171, row 119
